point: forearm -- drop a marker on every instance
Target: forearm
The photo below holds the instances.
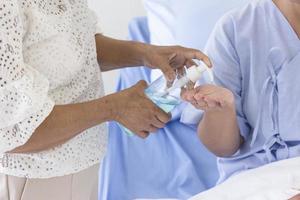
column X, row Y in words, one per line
column 219, row 132
column 65, row 122
column 113, row 54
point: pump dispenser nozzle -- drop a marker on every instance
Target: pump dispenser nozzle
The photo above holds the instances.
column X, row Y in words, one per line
column 193, row 74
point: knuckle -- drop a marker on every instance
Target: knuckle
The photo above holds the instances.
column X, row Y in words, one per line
column 166, row 118
column 142, row 83
column 146, row 134
column 142, row 135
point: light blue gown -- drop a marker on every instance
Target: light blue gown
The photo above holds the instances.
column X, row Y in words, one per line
column 256, row 54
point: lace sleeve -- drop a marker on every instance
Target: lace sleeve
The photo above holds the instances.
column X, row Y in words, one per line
column 24, row 101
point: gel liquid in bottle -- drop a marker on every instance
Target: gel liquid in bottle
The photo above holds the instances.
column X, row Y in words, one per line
column 167, row 98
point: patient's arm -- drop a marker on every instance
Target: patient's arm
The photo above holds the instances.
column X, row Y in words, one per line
column 218, row 129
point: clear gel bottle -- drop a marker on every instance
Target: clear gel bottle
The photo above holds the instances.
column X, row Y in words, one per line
column 167, row 98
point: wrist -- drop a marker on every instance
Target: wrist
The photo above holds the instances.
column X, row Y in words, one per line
column 143, row 52
column 106, row 105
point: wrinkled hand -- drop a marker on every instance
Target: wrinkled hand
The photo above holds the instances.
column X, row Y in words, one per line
column 209, row 97
column 138, row 113
column 170, row 58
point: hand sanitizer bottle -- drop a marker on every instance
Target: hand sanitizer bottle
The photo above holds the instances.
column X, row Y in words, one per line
column 167, row 98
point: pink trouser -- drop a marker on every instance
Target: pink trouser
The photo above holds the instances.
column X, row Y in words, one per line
column 79, row 186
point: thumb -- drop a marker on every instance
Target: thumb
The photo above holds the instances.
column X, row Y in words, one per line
column 142, row 85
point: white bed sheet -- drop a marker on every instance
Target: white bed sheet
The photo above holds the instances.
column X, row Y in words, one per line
column 276, row 181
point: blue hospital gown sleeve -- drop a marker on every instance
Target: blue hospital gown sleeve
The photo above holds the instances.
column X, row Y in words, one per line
column 226, row 66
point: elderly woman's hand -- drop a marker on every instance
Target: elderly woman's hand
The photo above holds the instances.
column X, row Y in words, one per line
column 136, row 112
column 170, row 58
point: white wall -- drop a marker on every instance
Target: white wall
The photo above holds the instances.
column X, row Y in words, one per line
column 114, row 16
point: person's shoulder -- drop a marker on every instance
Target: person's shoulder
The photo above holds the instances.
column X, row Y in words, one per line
column 241, row 21
column 243, row 17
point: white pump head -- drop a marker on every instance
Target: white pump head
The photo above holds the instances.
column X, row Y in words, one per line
column 194, row 73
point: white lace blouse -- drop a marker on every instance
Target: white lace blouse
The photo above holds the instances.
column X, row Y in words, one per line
column 47, row 57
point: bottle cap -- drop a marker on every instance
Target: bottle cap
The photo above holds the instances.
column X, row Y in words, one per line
column 194, row 73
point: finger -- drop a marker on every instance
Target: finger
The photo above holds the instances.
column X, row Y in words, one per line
column 194, row 95
column 157, row 123
column 180, row 72
column 152, row 129
column 188, row 95
column 197, row 54
column 143, row 134
column 199, row 96
column 162, row 116
column 211, row 102
column 142, row 85
column 184, row 93
column 205, row 90
column 202, row 106
column 201, row 56
column 201, row 103
column 190, row 63
column 215, row 96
